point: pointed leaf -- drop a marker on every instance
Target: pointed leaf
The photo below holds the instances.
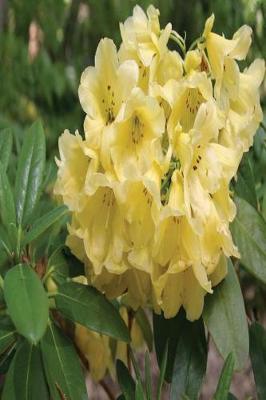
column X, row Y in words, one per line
column 139, row 393
column 26, row 301
column 249, row 233
column 7, row 206
column 87, row 306
column 62, row 366
column 144, row 324
column 125, row 380
column 190, row 361
column 6, row 141
column 245, row 185
column 225, row 317
column 43, row 223
column 30, row 172
column 25, row 379
column 224, row 383
column 258, row 357
column 162, row 372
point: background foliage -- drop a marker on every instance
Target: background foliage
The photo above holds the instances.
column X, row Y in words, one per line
column 44, row 46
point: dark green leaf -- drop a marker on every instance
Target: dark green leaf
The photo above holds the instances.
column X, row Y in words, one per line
column 62, row 366
column 7, row 206
column 225, row 317
column 245, row 185
column 231, row 397
column 125, row 380
column 167, row 330
column 145, row 327
column 25, row 379
column 30, row 172
column 190, row 361
column 249, row 233
column 85, row 305
column 258, row 357
column 162, row 372
column 7, row 334
column 6, row 140
column 26, row 301
column 224, row 383
column 43, row 223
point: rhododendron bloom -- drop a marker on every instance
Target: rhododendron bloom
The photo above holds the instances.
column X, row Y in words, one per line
column 148, row 184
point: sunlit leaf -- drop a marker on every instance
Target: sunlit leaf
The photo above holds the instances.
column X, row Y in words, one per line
column 26, row 301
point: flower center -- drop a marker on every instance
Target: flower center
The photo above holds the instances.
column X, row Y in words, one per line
column 137, row 130
column 109, row 105
column 192, row 102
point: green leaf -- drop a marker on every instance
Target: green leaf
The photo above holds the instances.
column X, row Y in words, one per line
column 25, row 379
column 7, row 206
column 249, row 233
column 27, row 302
column 87, row 306
column 30, row 172
column 62, row 366
column 225, row 317
column 245, row 185
column 7, row 334
column 6, row 141
column 125, row 380
column 43, row 223
column 162, row 372
column 190, row 361
column 139, row 393
column 144, row 324
column 258, row 357
column 224, row 383
column 148, row 379
column 167, row 330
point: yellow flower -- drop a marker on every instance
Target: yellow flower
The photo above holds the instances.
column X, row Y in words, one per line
column 149, row 186
column 96, row 349
column 143, row 35
column 136, row 137
column 77, row 160
column 221, row 49
column 103, row 89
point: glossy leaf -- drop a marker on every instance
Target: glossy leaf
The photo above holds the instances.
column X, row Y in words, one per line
column 245, row 185
column 225, row 317
column 6, row 141
column 26, row 301
column 87, row 306
column 190, row 361
column 249, row 233
column 30, row 172
column 225, row 379
column 62, row 366
column 25, row 379
column 258, row 357
column 7, row 206
column 43, row 223
column 125, row 380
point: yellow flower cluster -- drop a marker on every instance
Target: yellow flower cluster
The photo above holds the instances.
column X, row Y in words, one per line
column 148, row 186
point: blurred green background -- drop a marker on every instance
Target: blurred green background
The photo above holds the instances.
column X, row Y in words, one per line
column 45, row 45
